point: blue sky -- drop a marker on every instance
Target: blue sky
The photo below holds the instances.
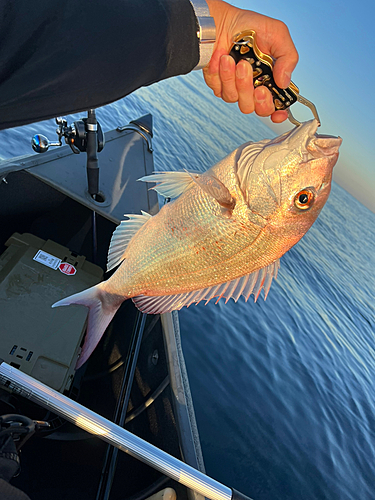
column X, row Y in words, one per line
column 336, row 44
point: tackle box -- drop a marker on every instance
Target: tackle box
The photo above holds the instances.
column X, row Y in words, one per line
column 39, row 340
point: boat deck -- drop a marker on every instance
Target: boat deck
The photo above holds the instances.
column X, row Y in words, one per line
column 67, row 462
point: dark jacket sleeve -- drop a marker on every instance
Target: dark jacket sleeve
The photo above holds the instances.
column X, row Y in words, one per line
column 9, row 492
column 63, row 57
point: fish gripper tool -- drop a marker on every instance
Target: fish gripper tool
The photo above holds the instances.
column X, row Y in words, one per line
column 245, row 47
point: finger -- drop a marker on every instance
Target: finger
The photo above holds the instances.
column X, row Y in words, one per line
column 279, row 116
column 245, row 87
column 227, row 73
column 211, row 72
column 263, row 102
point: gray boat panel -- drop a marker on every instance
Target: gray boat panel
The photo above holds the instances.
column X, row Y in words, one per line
column 124, row 159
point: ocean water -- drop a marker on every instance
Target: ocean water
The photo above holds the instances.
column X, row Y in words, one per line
column 284, row 388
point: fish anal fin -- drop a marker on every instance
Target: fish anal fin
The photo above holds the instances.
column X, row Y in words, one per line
column 252, row 283
column 122, row 236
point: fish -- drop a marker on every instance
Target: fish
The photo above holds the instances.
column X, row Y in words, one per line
column 223, row 233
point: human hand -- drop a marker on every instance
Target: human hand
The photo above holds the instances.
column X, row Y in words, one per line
column 234, row 83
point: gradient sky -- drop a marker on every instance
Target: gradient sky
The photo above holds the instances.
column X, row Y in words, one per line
column 336, row 44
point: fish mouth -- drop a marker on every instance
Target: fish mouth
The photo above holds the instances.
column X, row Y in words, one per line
column 324, row 145
column 318, row 145
column 324, row 185
column 321, row 152
column 324, row 152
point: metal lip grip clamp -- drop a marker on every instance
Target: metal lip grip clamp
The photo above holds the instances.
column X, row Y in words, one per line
column 245, row 47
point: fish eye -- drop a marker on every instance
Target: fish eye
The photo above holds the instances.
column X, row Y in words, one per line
column 304, row 199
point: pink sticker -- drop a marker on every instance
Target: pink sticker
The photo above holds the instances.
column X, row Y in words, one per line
column 67, row 268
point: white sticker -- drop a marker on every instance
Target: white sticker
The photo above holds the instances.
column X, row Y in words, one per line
column 47, row 259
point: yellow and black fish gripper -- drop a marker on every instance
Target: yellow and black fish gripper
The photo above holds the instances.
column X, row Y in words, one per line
column 245, row 47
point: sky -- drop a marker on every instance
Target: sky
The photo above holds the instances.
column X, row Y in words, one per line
column 335, row 40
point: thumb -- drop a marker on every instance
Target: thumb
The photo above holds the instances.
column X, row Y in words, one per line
column 282, row 71
column 278, row 44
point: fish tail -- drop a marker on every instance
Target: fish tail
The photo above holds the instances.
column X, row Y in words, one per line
column 102, row 308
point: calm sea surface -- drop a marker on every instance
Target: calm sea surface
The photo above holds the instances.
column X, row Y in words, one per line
column 283, row 389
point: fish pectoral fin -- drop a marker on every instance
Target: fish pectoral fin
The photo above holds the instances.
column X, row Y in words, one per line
column 122, row 236
column 215, row 188
column 170, row 184
column 249, row 284
column 173, row 184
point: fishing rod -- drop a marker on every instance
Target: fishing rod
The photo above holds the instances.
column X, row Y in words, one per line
column 92, row 168
column 29, row 388
column 83, row 136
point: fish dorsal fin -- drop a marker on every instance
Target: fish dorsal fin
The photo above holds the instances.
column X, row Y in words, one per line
column 121, row 237
column 252, row 283
column 170, row 184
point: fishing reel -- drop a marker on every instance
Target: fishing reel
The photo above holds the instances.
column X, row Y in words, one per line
column 75, row 136
column 83, row 136
column 15, row 430
column 19, row 428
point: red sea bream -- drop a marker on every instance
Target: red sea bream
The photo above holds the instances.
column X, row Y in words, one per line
column 224, row 233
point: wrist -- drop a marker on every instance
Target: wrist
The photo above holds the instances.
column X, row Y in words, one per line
column 206, row 31
column 227, row 20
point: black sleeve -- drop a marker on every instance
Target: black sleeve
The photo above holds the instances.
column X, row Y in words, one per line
column 59, row 57
column 9, row 492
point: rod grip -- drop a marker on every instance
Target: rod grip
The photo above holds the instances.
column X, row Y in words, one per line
column 92, row 153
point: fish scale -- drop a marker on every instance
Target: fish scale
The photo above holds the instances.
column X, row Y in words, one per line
column 174, row 258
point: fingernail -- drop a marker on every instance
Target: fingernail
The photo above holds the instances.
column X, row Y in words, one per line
column 260, row 95
column 225, row 62
column 242, row 71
